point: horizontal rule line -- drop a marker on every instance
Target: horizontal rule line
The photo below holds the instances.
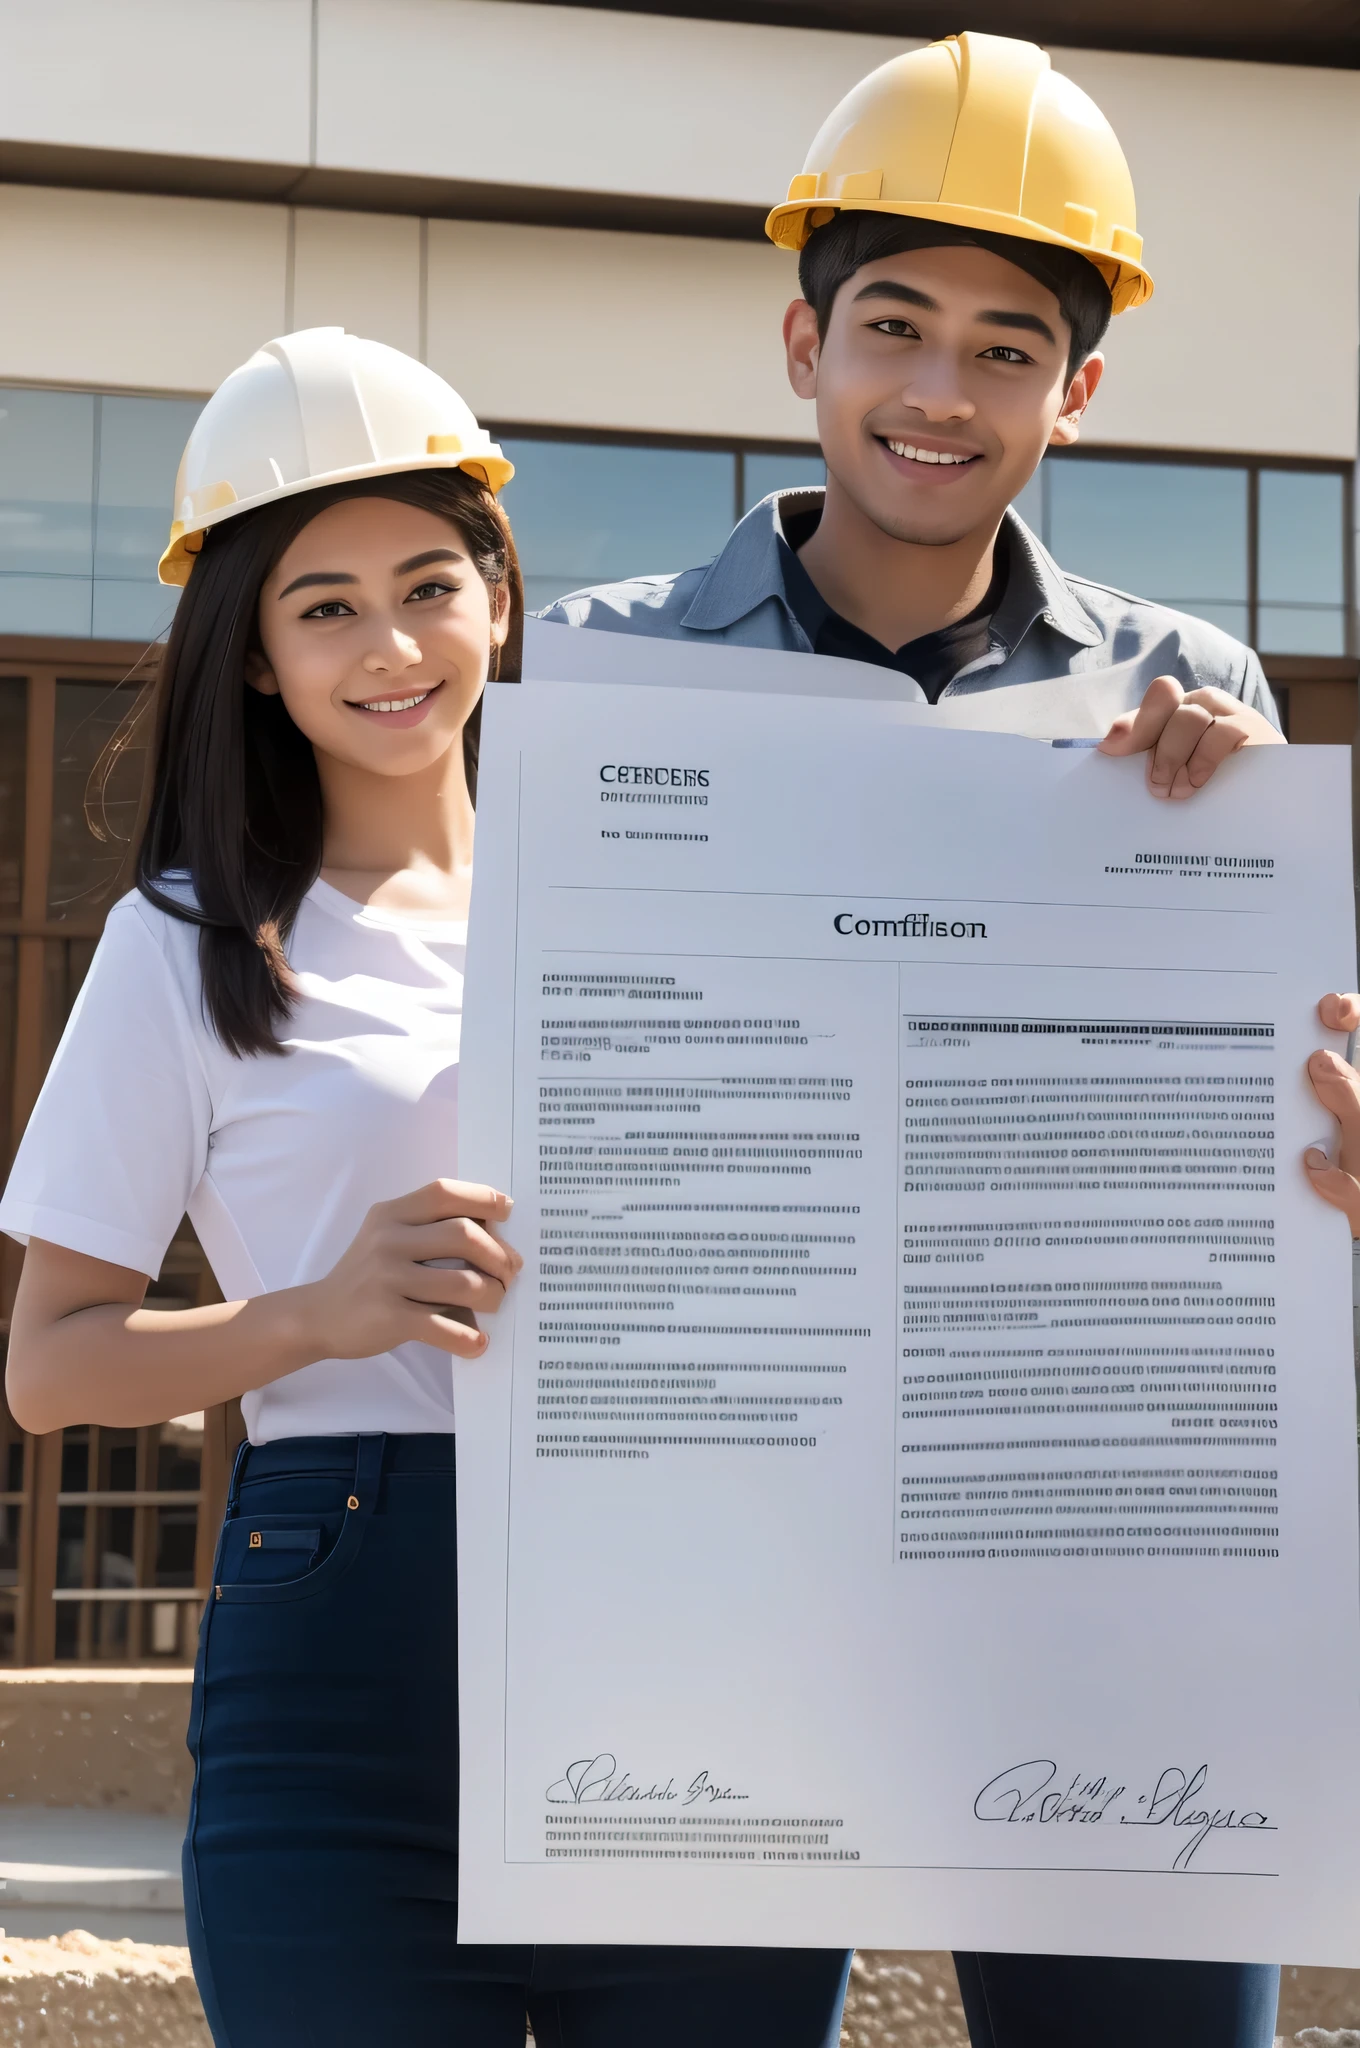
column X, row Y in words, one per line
column 868, row 896
column 886, row 960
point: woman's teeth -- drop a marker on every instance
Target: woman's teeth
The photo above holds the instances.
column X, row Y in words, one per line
column 910, row 454
column 396, row 703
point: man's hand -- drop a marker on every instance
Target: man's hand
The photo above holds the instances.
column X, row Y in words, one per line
column 1337, row 1087
column 1185, row 734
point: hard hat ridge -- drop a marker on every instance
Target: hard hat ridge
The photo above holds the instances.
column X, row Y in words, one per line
column 980, row 132
column 314, row 408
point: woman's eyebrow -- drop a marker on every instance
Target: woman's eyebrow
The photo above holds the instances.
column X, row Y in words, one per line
column 430, row 555
column 316, row 576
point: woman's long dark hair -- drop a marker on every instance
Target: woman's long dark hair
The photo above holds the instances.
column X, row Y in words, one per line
column 235, row 800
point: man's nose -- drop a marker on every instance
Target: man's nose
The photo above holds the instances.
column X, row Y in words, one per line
column 936, row 390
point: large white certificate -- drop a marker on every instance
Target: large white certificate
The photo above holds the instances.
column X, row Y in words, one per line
column 910, row 1497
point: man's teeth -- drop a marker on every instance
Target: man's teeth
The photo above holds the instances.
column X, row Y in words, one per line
column 910, row 454
column 398, row 703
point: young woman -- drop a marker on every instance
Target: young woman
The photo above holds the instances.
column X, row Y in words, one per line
column 268, row 1038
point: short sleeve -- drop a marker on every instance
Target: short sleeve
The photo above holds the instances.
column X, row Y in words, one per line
column 118, row 1139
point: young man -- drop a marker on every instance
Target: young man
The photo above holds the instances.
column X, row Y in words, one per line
column 965, row 223
column 943, row 358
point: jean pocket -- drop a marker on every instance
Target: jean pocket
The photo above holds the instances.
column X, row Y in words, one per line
column 266, row 1558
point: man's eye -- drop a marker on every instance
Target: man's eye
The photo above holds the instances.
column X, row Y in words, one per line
column 330, row 608
column 899, row 329
column 435, row 589
column 1002, row 354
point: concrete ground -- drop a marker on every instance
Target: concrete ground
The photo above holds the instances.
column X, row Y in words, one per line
column 115, row 1874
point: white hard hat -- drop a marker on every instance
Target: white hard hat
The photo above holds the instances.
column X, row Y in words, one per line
column 315, row 408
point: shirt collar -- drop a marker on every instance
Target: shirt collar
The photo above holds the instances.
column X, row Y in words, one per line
column 749, row 571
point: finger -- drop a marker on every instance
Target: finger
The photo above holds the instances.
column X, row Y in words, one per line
column 461, row 1238
column 1222, row 738
column 1340, row 1013
column 1217, row 703
column 1337, row 1087
column 1179, row 737
column 460, row 1340
column 454, row 1287
column 441, row 1199
column 1138, row 730
column 1335, row 1187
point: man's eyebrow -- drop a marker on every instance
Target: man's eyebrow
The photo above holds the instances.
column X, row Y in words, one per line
column 887, row 288
column 1030, row 323
column 316, row 576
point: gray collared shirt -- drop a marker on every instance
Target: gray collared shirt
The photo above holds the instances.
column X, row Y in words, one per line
column 1047, row 622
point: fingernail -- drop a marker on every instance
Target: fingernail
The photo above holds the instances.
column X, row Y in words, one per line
column 1312, row 1157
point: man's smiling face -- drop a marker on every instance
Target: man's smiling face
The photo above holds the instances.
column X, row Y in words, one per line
column 941, row 379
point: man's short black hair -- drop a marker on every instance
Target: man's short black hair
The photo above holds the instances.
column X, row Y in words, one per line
column 852, row 238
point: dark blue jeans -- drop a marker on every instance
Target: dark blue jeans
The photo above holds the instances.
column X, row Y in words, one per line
column 321, row 1863
column 1111, row 2002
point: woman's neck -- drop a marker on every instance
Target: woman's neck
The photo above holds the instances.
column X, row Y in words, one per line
column 399, row 842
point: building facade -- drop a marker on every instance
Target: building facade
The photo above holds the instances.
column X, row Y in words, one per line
column 559, row 208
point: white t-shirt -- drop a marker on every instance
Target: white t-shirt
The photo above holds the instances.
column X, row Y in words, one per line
column 145, row 1115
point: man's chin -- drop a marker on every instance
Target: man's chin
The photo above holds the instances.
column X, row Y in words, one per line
column 921, row 533
column 924, row 526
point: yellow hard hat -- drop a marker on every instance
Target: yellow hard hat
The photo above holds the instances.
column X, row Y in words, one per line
column 314, row 408
column 981, row 132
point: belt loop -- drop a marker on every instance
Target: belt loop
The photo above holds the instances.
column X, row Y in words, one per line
column 237, row 1474
column 368, row 1464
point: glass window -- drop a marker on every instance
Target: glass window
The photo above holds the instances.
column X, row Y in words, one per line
column 1301, row 577
column 585, row 513
column 791, row 472
column 140, row 443
column 46, row 482
column 1173, row 532
column 86, row 484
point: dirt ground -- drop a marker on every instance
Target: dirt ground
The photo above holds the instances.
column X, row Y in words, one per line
column 79, row 1992
column 911, row 2000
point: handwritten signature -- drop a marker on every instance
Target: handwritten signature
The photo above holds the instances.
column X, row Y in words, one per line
column 598, row 1781
column 1036, row 1792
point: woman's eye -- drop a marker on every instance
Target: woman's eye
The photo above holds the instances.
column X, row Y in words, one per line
column 330, row 608
column 1002, row 354
column 436, row 589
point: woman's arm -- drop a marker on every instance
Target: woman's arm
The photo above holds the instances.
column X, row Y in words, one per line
column 83, row 1349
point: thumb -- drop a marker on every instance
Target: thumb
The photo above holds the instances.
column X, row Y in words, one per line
column 1334, row 1186
column 1138, row 731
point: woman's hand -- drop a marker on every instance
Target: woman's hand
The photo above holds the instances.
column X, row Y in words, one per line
column 1336, row 1085
column 383, row 1291
column 1186, row 734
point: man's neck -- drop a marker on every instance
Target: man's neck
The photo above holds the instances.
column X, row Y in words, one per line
column 895, row 590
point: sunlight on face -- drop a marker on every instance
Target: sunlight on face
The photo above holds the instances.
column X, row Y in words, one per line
column 939, row 384
column 377, row 631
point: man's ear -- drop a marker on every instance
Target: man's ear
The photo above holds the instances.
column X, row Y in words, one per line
column 1080, row 392
column 802, row 347
column 260, row 675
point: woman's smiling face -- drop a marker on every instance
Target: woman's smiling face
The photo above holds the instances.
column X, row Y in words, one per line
column 377, row 630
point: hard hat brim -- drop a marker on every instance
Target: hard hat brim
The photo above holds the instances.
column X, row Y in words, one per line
column 494, row 469
column 791, row 224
